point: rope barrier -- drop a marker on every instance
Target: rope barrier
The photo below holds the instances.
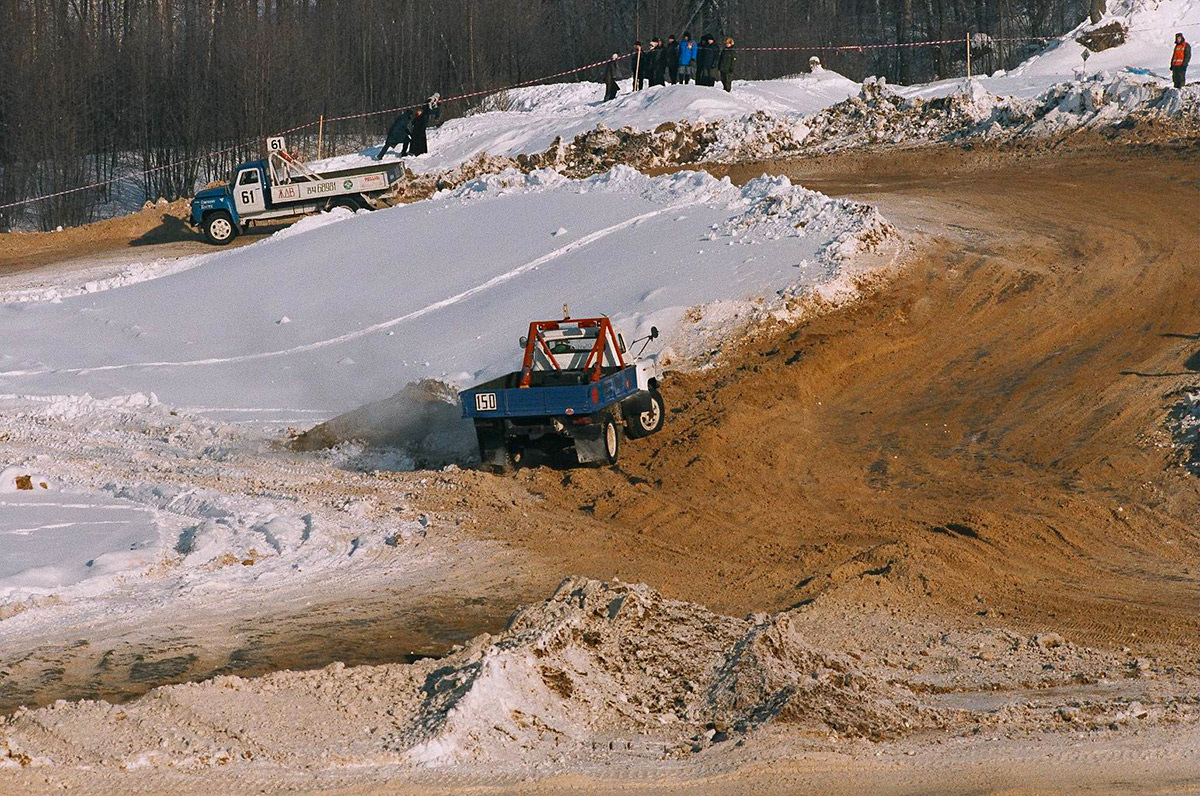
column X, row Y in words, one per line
column 457, row 97
column 523, row 84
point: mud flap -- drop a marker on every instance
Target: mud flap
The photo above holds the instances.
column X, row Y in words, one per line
column 493, row 447
column 589, row 444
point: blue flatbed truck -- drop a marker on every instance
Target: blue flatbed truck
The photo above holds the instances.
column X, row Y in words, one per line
column 576, row 392
column 280, row 186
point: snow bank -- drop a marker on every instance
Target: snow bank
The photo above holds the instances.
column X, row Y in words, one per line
column 53, row 539
column 534, row 117
column 438, row 289
column 607, row 676
column 883, row 116
column 1152, row 25
column 594, row 664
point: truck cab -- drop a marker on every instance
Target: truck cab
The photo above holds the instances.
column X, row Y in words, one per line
column 219, row 212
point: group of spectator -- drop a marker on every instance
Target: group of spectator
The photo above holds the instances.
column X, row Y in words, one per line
column 408, row 129
column 675, row 61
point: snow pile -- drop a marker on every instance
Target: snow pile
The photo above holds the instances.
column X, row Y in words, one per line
column 529, row 120
column 616, row 659
column 609, row 665
column 1184, row 425
column 882, row 116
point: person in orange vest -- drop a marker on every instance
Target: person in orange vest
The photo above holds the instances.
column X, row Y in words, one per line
column 1179, row 60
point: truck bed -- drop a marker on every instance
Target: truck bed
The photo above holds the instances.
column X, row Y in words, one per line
column 550, row 394
column 354, row 171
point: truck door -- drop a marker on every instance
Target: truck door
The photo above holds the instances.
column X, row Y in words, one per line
column 248, row 193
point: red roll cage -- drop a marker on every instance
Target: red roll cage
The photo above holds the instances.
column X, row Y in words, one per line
column 605, row 336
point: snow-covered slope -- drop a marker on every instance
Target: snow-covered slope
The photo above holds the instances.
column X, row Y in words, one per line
column 342, row 310
column 1152, row 25
column 758, row 114
column 327, row 318
column 533, row 117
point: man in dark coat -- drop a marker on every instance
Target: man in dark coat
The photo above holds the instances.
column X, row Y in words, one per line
column 638, row 66
column 726, row 63
column 671, row 53
column 658, row 63
column 1180, row 57
column 397, row 135
column 706, row 62
column 610, row 78
column 417, row 144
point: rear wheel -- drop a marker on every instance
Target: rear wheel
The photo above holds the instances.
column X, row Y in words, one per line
column 645, row 415
column 611, row 437
column 219, row 228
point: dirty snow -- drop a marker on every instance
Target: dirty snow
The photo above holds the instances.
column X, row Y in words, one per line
column 613, row 673
column 536, row 115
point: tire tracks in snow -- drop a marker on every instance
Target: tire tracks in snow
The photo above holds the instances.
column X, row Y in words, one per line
column 457, row 298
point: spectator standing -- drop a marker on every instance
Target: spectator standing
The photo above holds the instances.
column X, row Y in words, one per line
column 671, row 54
column 418, row 145
column 610, row 78
column 725, row 65
column 706, row 61
column 658, row 62
column 639, row 66
column 1180, row 57
column 687, row 58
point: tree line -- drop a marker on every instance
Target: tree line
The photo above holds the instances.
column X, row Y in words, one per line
column 92, row 89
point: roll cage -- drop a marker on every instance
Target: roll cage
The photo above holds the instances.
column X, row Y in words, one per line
column 579, row 344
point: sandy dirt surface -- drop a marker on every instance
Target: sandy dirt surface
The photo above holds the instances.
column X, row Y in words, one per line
column 104, row 248
column 960, row 494
column 989, row 430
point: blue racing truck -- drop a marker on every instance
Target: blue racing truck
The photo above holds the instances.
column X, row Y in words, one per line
column 577, row 390
column 282, row 187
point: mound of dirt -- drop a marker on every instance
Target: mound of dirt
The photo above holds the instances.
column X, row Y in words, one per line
column 1104, row 37
column 597, row 669
column 595, row 661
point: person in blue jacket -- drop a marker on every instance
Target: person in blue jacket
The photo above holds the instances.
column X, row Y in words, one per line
column 687, row 58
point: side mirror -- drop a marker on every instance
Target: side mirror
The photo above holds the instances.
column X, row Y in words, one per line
column 523, row 341
column 653, row 332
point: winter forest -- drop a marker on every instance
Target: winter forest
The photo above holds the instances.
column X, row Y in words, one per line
column 97, row 88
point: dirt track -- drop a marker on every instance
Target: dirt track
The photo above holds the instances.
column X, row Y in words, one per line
column 984, row 436
column 980, row 442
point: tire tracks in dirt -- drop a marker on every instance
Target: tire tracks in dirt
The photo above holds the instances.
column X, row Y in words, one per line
column 991, row 389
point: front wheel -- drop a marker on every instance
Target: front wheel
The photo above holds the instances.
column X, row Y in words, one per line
column 646, row 416
column 348, row 202
column 219, row 228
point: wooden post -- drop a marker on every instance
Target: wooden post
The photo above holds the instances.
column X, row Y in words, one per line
column 320, row 134
column 968, row 54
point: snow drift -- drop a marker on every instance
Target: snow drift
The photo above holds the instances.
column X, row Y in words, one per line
column 438, row 289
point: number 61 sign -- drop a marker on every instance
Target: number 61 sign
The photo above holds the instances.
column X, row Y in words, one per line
column 276, row 144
